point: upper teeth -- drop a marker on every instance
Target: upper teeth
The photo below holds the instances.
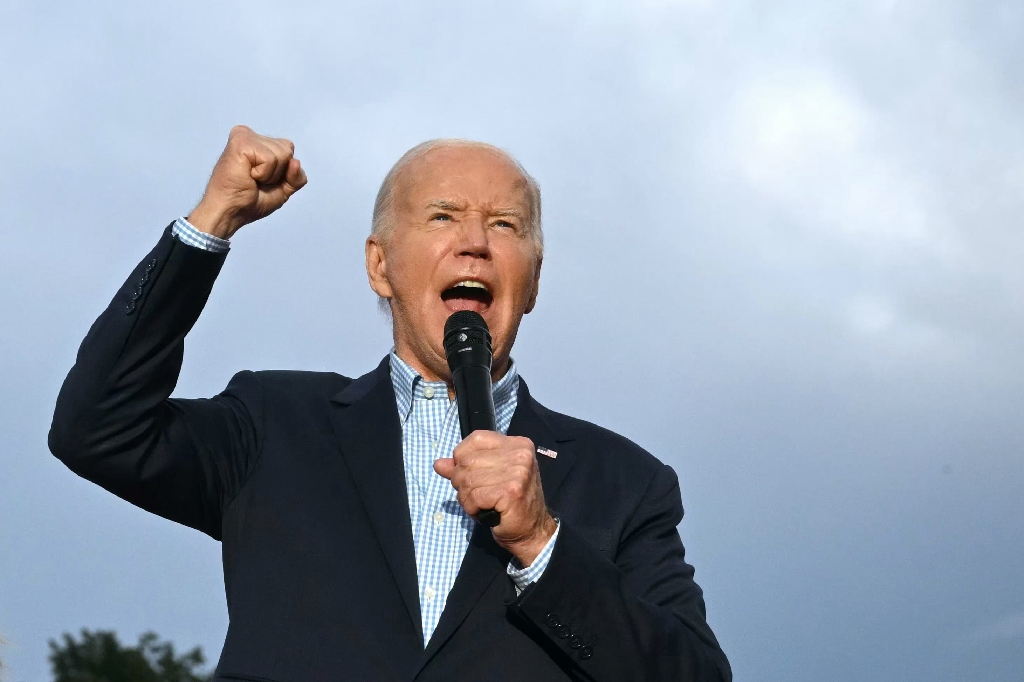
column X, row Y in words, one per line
column 471, row 283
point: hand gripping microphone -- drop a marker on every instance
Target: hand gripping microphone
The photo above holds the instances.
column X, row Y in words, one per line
column 467, row 345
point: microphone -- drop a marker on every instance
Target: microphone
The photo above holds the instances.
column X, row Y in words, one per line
column 467, row 346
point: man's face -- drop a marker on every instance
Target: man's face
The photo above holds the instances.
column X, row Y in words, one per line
column 460, row 241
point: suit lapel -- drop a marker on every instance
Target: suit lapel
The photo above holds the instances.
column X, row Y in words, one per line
column 365, row 420
column 530, row 420
column 485, row 561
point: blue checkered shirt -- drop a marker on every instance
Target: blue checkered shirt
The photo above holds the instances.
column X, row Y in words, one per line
column 441, row 529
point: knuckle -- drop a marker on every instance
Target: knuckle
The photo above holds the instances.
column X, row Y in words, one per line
column 266, row 148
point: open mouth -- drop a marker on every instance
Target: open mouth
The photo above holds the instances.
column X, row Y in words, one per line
column 467, row 295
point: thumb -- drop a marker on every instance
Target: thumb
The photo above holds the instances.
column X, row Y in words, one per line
column 445, row 467
column 294, row 178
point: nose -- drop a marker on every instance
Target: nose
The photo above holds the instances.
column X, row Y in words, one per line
column 473, row 238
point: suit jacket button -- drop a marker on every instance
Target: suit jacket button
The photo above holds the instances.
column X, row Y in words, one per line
column 585, row 653
column 144, row 278
column 563, row 632
column 137, row 294
column 130, row 308
column 552, row 620
column 151, row 264
column 574, row 642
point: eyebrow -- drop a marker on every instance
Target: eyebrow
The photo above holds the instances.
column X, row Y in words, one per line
column 508, row 212
column 449, row 205
column 444, row 205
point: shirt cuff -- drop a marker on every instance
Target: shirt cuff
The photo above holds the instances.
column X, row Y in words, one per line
column 523, row 577
column 186, row 233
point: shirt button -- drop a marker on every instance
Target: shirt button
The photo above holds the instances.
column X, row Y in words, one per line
column 428, row 594
column 433, row 444
column 438, row 518
column 428, row 392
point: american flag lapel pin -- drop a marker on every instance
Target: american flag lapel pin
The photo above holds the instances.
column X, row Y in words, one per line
column 547, row 453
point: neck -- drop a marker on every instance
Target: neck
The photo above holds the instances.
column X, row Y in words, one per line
column 498, row 369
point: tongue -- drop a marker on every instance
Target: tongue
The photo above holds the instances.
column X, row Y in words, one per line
column 458, row 303
column 466, row 298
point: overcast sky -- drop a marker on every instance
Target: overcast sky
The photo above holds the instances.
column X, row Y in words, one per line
column 811, row 212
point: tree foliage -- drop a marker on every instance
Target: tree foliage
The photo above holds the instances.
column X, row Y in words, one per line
column 100, row 657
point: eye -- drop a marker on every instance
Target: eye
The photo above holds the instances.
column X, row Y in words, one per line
column 440, row 216
column 505, row 224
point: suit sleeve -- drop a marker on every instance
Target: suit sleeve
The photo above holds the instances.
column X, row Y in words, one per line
column 640, row 618
column 114, row 423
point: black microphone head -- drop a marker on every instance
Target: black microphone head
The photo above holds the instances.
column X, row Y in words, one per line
column 464, row 318
column 467, row 340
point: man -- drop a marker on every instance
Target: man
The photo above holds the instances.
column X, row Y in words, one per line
column 346, row 508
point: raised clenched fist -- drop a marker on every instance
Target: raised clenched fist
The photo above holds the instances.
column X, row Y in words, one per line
column 253, row 178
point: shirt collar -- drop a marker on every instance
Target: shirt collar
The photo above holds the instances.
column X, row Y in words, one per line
column 409, row 384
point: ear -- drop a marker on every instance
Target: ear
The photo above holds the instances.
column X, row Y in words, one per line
column 536, row 286
column 376, row 267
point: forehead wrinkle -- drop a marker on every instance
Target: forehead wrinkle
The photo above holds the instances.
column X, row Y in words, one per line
column 417, row 169
column 396, row 193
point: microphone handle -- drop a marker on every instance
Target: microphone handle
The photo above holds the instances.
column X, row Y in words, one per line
column 476, row 413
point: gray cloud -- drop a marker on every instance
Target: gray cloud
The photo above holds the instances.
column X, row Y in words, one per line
column 1010, row 627
column 783, row 253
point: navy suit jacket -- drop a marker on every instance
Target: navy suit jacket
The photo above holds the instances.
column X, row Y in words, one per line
column 300, row 476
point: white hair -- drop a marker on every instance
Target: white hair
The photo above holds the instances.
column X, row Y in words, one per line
column 383, row 208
